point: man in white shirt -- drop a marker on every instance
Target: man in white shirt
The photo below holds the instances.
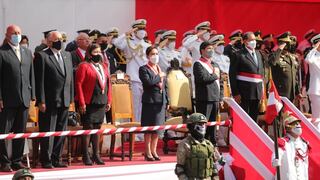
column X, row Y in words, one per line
column 168, row 52
column 134, row 47
column 313, row 59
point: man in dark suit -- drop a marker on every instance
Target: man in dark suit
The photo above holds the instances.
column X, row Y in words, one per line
column 108, row 58
column 208, row 88
column 78, row 55
column 54, row 91
column 246, row 76
column 16, row 90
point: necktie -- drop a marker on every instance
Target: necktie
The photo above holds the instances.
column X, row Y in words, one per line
column 61, row 64
column 254, row 58
column 17, row 51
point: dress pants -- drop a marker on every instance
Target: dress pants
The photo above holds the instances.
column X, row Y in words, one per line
column 210, row 110
column 54, row 119
column 13, row 120
column 251, row 107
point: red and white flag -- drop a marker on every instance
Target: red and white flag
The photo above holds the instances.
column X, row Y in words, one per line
column 274, row 104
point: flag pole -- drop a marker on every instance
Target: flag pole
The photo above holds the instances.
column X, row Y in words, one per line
column 275, row 131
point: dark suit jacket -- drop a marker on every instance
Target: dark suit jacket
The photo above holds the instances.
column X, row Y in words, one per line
column 151, row 91
column 244, row 62
column 112, row 62
column 76, row 59
column 52, row 87
column 206, row 88
column 17, row 84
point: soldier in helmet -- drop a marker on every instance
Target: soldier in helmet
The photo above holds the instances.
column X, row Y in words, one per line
column 293, row 151
column 23, row 174
column 196, row 156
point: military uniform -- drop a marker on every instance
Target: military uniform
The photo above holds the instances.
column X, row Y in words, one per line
column 284, row 67
column 135, row 53
column 168, row 53
column 231, row 49
column 196, row 159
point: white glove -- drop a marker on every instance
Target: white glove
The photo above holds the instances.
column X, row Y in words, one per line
column 276, row 163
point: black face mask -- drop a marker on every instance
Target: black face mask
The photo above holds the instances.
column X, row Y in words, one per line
column 103, row 46
column 57, row 45
column 195, row 134
column 96, row 58
column 238, row 44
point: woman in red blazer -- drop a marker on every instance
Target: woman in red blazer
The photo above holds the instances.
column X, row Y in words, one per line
column 93, row 92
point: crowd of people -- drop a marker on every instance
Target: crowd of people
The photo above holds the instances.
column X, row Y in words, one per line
column 58, row 74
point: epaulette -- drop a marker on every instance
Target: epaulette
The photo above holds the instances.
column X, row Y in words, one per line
column 282, row 142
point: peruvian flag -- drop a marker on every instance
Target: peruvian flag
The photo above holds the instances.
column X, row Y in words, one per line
column 274, row 104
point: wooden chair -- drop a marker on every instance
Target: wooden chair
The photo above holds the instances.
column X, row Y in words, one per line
column 122, row 108
column 179, row 92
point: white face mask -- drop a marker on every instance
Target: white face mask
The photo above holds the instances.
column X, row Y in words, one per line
column 154, row 59
column 206, row 36
column 297, row 130
column 252, row 44
column 141, row 34
column 219, row 49
column 172, row 45
column 200, row 129
column 24, row 45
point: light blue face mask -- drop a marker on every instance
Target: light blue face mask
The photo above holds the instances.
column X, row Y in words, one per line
column 15, row 39
column 209, row 53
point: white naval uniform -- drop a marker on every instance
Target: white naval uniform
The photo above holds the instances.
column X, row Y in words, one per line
column 166, row 55
column 290, row 168
column 192, row 44
column 136, row 59
column 313, row 59
column 223, row 61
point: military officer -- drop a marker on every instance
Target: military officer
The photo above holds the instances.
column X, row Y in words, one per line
column 168, row 52
column 284, row 68
column 194, row 41
column 234, row 45
column 186, row 58
column 196, row 156
column 134, row 47
column 258, row 39
column 222, row 60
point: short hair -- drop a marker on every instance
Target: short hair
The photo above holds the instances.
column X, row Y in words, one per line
column 246, row 35
column 204, row 45
column 149, row 49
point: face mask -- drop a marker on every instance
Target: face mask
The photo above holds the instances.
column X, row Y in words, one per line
column 252, row 44
column 209, row 53
column 206, row 36
column 238, row 44
column 201, row 129
column 297, row 130
column 220, row 49
column 198, row 132
column 96, row 58
column 24, row 45
column 154, row 59
column 103, row 46
column 15, row 39
column 141, row 34
column 172, row 45
column 57, row 45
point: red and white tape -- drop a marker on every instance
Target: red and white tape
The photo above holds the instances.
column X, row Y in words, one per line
column 104, row 131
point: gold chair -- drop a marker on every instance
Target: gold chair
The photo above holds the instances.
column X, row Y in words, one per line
column 122, row 108
column 179, row 92
column 33, row 118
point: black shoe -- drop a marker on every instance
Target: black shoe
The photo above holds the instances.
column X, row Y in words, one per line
column 5, row 168
column 156, row 158
column 17, row 166
column 87, row 160
column 97, row 159
column 59, row 164
column 47, row 165
column 146, row 158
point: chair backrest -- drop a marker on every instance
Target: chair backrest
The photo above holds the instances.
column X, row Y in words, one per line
column 179, row 90
column 122, row 103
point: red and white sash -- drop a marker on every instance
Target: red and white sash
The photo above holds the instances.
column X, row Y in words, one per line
column 101, row 77
column 156, row 71
column 78, row 51
column 250, row 77
column 208, row 66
